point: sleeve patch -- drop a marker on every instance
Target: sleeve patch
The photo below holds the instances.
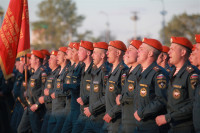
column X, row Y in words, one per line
column 124, row 75
column 156, row 68
column 44, row 74
column 160, row 76
column 106, row 76
column 194, row 76
column 194, row 80
column 162, row 83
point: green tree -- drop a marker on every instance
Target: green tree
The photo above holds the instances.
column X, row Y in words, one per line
column 182, row 25
column 59, row 22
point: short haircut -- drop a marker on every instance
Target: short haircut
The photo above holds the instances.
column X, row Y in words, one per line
column 40, row 59
column 188, row 51
column 156, row 52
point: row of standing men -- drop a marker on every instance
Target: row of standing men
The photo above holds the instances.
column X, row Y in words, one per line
column 100, row 87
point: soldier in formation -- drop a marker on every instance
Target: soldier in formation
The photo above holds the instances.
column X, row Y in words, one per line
column 99, row 87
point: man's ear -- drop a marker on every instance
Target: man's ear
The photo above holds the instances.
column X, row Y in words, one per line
column 119, row 52
column 150, row 54
column 37, row 59
column 183, row 52
column 103, row 55
column 89, row 53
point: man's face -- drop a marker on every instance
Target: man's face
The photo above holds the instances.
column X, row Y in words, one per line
column 82, row 54
column 75, row 55
column 97, row 55
column 21, row 67
column 193, row 59
column 125, row 58
column 174, row 53
column 60, row 57
column 160, row 58
column 69, row 54
column 143, row 53
column 17, row 64
column 23, row 61
column 196, row 53
column 111, row 54
column 52, row 61
column 132, row 54
column 33, row 61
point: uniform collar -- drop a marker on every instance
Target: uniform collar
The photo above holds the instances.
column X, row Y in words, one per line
column 39, row 68
column 136, row 69
column 79, row 64
column 88, row 69
column 53, row 72
column 71, row 67
column 74, row 65
column 97, row 70
column 65, row 68
column 167, row 66
column 149, row 68
column 182, row 70
column 121, row 64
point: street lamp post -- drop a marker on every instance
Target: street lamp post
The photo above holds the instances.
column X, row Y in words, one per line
column 135, row 18
column 163, row 13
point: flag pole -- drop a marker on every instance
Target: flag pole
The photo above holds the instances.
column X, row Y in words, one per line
column 26, row 69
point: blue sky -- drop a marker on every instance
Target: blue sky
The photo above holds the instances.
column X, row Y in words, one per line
column 119, row 13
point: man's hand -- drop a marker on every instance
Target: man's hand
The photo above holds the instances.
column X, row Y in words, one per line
column 41, row 99
column 53, row 95
column 25, row 66
column 117, row 100
column 107, row 118
column 137, row 116
column 160, row 120
column 87, row 111
column 34, row 107
column 46, row 92
column 80, row 101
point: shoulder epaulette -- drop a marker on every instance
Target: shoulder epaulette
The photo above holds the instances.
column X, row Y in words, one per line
column 94, row 66
column 41, row 68
column 168, row 70
column 103, row 68
column 156, row 68
column 32, row 70
column 121, row 67
column 190, row 69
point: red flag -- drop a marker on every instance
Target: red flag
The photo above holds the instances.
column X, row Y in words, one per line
column 14, row 35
